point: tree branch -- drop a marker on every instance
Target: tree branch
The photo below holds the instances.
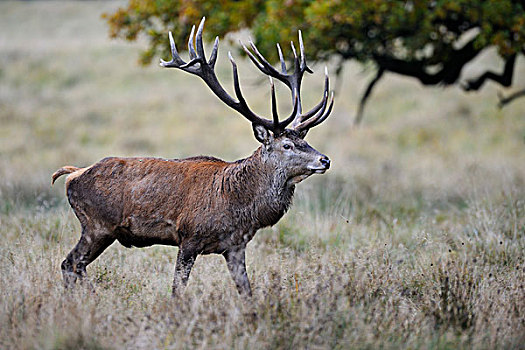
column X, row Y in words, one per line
column 364, row 98
column 504, row 79
column 448, row 74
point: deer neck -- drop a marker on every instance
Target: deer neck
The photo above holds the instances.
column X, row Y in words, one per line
column 271, row 178
column 264, row 187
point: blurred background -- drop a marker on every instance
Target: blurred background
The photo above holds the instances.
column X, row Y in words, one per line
column 432, row 174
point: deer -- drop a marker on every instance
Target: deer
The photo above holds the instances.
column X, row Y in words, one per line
column 203, row 205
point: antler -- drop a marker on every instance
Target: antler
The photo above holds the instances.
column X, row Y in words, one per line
column 301, row 121
column 205, row 70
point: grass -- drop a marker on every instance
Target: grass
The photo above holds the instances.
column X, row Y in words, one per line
column 414, row 239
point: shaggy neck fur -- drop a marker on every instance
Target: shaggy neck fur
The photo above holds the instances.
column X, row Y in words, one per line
column 261, row 186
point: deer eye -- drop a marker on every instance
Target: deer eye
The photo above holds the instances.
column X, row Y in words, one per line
column 287, row 146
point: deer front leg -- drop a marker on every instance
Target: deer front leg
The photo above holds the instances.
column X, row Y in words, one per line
column 235, row 258
column 185, row 260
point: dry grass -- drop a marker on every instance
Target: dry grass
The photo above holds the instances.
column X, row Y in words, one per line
column 415, row 238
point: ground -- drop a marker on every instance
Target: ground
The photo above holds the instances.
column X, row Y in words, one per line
column 413, row 239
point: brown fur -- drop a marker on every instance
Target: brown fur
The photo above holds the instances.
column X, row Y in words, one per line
column 203, row 205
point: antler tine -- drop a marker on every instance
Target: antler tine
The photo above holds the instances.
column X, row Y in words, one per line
column 254, row 59
column 175, row 58
column 287, row 121
column 275, row 114
column 263, row 64
column 213, row 56
column 304, row 66
column 308, row 120
column 198, row 39
column 303, row 117
column 191, row 48
column 281, row 126
column 308, row 123
column 321, row 118
column 236, row 83
column 298, row 68
column 301, row 49
column 327, row 113
column 281, row 58
column 250, row 116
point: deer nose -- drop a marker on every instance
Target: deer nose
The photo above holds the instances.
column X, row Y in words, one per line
column 325, row 161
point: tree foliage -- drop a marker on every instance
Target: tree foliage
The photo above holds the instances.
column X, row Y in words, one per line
column 428, row 40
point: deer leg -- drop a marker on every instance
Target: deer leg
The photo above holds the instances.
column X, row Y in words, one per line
column 88, row 248
column 185, row 260
column 235, row 259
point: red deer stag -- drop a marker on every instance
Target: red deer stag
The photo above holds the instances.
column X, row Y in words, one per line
column 201, row 204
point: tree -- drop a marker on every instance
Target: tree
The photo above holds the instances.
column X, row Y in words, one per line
column 428, row 40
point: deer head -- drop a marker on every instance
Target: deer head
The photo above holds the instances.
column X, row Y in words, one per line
column 282, row 141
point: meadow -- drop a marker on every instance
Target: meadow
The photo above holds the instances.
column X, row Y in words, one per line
column 415, row 238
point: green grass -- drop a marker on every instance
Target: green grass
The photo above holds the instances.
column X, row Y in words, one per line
column 414, row 239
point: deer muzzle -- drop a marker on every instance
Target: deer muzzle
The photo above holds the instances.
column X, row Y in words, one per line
column 322, row 165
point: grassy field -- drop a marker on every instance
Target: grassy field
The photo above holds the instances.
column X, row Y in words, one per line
column 414, row 239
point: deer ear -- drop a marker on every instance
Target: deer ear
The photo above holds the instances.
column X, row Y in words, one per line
column 302, row 134
column 262, row 134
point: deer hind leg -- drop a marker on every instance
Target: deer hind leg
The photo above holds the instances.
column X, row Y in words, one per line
column 235, row 259
column 91, row 244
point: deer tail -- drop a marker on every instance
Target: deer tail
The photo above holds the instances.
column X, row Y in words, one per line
column 68, row 169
